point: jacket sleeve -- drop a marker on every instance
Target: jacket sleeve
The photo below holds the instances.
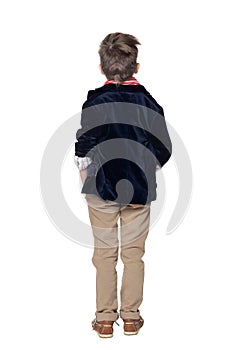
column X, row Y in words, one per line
column 91, row 132
column 86, row 135
column 159, row 138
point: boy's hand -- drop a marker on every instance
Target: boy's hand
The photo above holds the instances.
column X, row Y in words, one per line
column 83, row 174
column 82, row 163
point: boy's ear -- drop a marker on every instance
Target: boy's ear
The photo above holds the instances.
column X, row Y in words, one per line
column 137, row 68
column 100, row 68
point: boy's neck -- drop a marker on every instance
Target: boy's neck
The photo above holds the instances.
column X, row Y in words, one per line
column 129, row 81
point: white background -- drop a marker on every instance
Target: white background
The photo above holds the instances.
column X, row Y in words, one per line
column 48, row 63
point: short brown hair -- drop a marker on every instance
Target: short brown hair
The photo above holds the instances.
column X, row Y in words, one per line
column 118, row 56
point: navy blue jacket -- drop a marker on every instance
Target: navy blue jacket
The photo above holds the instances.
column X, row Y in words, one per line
column 123, row 131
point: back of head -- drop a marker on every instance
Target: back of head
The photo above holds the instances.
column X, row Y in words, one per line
column 118, row 56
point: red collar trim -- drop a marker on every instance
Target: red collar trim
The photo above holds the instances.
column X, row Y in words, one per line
column 130, row 81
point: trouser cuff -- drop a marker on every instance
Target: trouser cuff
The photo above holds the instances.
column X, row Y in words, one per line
column 107, row 316
column 130, row 315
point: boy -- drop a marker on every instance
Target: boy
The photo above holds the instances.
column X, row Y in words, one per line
column 123, row 139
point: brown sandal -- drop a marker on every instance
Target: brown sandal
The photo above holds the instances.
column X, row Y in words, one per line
column 103, row 328
column 132, row 327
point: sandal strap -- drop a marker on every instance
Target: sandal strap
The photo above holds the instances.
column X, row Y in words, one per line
column 133, row 322
column 94, row 322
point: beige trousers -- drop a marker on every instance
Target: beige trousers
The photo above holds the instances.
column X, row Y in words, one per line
column 134, row 228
